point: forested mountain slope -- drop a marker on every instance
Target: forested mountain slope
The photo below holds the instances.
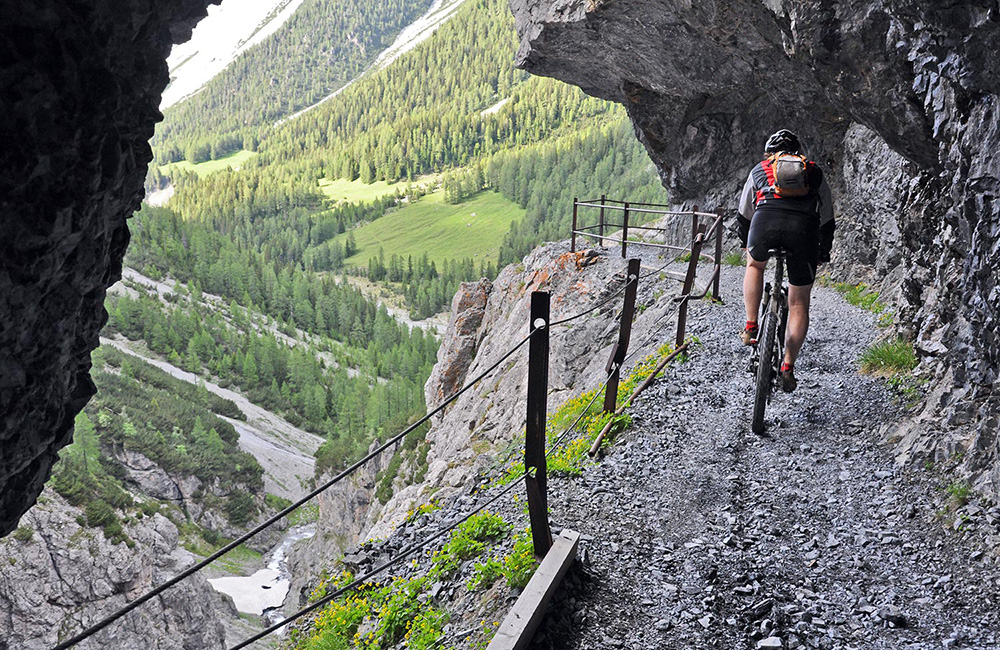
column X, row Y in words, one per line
column 453, row 105
column 322, row 46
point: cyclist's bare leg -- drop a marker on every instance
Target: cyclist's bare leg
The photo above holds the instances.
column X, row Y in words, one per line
column 798, row 321
column 753, row 287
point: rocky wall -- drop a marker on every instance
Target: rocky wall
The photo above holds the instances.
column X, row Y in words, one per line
column 897, row 100
column 65, row 576
column 80, row 83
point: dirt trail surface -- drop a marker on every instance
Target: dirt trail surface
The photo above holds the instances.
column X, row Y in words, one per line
column 699, row 534
column 284, row 451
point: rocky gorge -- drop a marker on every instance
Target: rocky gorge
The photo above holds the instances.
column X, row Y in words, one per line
column 61, row 575
column 897, row 101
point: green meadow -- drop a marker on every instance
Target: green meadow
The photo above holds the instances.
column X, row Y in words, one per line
column 474, row 228
column 343, row 190
column 233, row 160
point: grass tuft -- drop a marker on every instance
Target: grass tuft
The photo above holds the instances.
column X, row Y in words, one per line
column 888, row 358
column 733, row 258
column 860, row 295
column 960, row 492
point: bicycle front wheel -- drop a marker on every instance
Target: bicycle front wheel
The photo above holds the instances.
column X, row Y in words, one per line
column 765, row 371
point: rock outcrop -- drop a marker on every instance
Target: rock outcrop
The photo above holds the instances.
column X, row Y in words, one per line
column 65, row 577
column 80, row 84
column 899, row 101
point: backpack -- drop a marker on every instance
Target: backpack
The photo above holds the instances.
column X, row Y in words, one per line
column 791, row 177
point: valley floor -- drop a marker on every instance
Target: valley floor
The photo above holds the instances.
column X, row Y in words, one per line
column 286, row 452
column 699, row 534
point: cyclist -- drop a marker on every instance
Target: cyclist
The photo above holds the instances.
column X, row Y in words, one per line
column 785, row 204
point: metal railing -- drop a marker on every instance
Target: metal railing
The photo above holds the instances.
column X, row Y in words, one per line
column 706, row 227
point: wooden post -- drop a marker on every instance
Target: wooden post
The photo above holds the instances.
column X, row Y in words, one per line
column 624, row 334
column 718, row 258
column 600, row 224
column 694, row 222
column 625, row 231
column 572, row 237
column 534, row 430
column 689, row 284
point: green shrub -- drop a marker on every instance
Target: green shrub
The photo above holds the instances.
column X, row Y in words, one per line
column 960, row 492
column 23, row 534
column 888, row 358
column 98, row 514
column 274, row 502
column 486, row 574
column 240, row 508
column 467, row 540
column 519, row 566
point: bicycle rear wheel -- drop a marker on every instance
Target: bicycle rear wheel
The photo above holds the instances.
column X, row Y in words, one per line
column 765, row 371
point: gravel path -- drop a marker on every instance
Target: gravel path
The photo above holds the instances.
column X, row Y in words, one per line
column 699, row 534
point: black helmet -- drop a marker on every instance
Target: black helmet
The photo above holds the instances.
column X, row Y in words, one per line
column 784, row 140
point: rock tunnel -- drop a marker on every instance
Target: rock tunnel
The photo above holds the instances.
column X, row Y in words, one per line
column 898, row 99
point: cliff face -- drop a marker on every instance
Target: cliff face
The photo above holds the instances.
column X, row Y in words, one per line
column 67, row 576
column 80, row 83
column 898, row 100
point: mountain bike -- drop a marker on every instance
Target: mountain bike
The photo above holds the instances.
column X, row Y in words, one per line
column 765, row 359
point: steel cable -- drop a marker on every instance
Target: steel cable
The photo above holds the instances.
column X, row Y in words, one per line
column 596, row 307
column 416, row 547
column 97, row 627
column 558, row 442
column 348, row 471
column 655, row 271
column 372, row 573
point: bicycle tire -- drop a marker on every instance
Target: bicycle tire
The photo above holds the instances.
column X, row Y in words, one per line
column 765, row 368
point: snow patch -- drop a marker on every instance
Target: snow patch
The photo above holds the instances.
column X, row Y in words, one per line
column 495, row 108
column 229, row 30
column 411, row 36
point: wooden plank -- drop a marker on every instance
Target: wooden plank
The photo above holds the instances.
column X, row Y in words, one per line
column 519, row 626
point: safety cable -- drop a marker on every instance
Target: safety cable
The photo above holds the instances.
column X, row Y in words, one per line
column 596, row 307
column 97, row 627
column 418, row 546
column 655, row 271
column 556, row 444
column 413, row 548
column 349, row 470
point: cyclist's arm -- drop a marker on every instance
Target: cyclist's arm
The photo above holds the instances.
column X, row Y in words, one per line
column 748, row 204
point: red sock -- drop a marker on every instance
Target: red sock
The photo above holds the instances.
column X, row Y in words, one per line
column 751, row 325
column 786, row 366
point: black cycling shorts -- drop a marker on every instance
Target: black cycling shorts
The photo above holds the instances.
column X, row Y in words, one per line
column 796, row 233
